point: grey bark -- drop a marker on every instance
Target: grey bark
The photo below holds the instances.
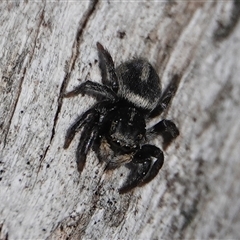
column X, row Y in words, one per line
column 47, row 48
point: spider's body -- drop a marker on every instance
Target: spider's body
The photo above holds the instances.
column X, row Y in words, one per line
column 139, row 84
column 115, row 127
column 121, row 135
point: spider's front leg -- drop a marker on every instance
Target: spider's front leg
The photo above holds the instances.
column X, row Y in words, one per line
column 143, row 168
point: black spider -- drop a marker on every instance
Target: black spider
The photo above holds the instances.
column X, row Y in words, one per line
column 115, row 127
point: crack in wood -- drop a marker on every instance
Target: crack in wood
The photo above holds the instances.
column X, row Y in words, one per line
column 225, row 30
column 22, row 79
column 83, row 23
column 82, row 26
column 16, row 100
column 18, row 65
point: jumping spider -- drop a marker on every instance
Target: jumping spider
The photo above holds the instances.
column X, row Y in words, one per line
column 115, row 127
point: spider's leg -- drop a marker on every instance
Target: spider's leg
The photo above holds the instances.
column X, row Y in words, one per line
column 109, row 76
column 94, row 89
column 88, row 136
column 143, row 169
column 137, row 173
column 92, row 115
column 154, row 152
column 166, row 97
column 77, row 125
column 166, row 128
column 91, row 126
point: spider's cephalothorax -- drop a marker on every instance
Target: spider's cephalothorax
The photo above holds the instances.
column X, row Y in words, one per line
column 115, row 127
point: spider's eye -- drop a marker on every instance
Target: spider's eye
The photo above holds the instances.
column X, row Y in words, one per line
column 127, row 128
column 114, row 126
column 139, row 137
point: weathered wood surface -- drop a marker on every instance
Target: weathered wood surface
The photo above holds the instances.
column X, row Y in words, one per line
column 46, row 48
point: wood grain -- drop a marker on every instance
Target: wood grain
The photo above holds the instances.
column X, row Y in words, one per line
column 47, row 48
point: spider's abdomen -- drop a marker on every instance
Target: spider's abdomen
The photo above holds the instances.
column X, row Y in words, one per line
column 139, row 83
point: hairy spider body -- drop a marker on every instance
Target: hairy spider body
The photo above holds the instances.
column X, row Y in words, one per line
column 121, row 134
column 115, row 127
column 139, row 84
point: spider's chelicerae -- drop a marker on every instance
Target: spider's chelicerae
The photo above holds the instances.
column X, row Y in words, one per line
column 115, row 127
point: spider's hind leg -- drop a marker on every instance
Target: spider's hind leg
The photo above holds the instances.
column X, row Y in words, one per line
column 94, row 89
column 109, row 79
column 106, row 64
column 166, row 97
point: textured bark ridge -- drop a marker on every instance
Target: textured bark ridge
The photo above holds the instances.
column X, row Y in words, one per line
column 47, row 48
